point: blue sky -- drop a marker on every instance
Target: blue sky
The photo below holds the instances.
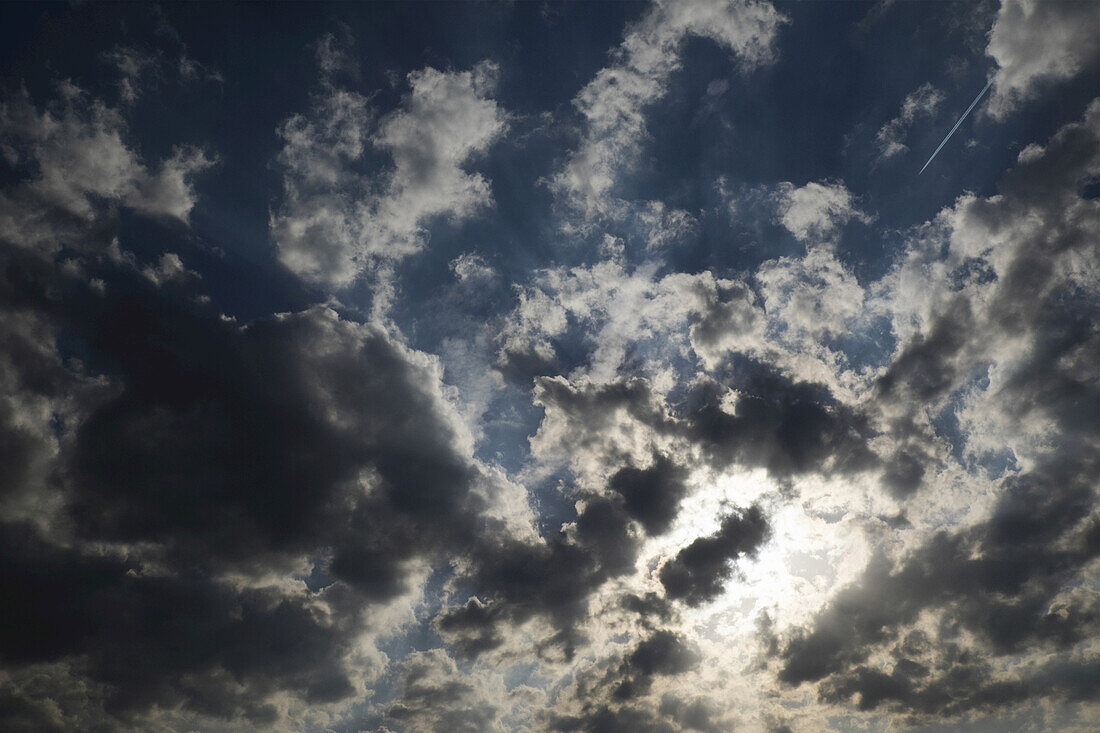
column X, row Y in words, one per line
column 549, row 366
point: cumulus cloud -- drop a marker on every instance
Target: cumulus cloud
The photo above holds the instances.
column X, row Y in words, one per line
column 81, row 159
column 1035, row 44
column 768, row 495
column 168, row 269
column 472, row 268
column 160, row 484
column 334, row 221
column 620, row 308
column 815, row 211
column 613, row 104
column 436, row 695
column 131, row 483
column 1006, row 584
column 922, row 102
column 697, row 572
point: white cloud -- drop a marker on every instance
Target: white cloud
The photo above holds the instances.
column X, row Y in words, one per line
column 614, row 102
column 1036, row 43
column 334, row 220
column 1006, row 258
column 622, row 310
column 815, row 211
column 664, row 225
column 82, row 159
column 446, row 119
column 168, row 192
column 193, row 70
column 924, row 101
column 472, row 268
column 814, row 295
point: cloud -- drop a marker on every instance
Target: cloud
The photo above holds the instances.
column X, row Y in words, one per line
column 1035, row 44
column 203, row 466
column 436, row 695
column 781, row 497
column 814, row 295
column 285, row 475
column 289, row 471
column 82, row 164
column 335, row 54
column 552, row 580
column 168, row 269
column 651, row 495
column 334, row 221
column 815, row 211
column 613, row 104
column 132, row 64
column 662, row 653
column 929, row 632
column 472, row 268
column 924, row 101
column 619, row 309
column 697, row 573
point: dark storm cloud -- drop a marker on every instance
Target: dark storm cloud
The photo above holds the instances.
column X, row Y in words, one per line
column 926, row 369
column 1014, row 581
column 230, row 443
column 269, row 524
column 963, row 686
column 553, row 578
column 697, row 573
column 218, row 449
column 698, row 714
column 608, row 699
column 1002, row 595
column 21, row 714
column 785, row 426
column 1003, row 581
column 662, row 653
column 606, row 719
column 651, row 495
column 163, row 640
column 650, row 606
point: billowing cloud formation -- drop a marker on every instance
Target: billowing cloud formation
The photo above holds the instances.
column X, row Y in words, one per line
column 80, row 160
column 1013, row 580
column 733, row 454
column 814, row 211
column 697, row 572
column 205, row 461
column 613, row 103
column 334, row 221
column 1036, row 43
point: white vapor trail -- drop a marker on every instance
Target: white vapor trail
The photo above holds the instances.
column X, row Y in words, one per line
column 956, row 127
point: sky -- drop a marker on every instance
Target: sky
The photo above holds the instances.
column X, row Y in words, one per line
column 550, row 366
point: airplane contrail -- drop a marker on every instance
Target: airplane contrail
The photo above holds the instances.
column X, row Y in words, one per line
column 956, row 127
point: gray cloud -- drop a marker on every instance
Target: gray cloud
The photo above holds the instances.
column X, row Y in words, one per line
column 1010, row 580
column 1036, row 44
column 698, row 571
